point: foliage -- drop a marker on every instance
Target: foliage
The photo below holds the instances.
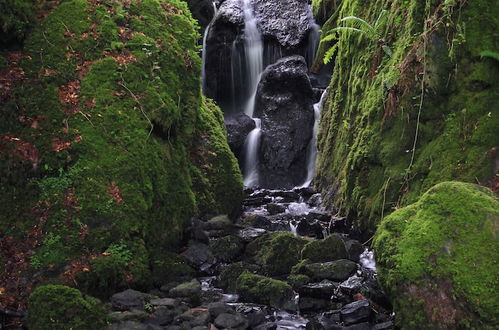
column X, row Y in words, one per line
column 57, row 307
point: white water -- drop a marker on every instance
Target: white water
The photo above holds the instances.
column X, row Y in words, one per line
column 313, row 44
column 312, row 147
column 253, row 48
column 367, row 260
column 205, row 38
column 293, row 226
column 251, row 146
column 297, row 209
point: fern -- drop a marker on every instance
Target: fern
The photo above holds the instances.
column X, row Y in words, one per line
column 490, row 54
column 358, row 25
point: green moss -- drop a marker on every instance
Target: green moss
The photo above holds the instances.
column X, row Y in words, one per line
column 170, row 267
column 230, row 273
column 122, row 136
column 298, row 280
column 263, row 290
column 328, row 249
column 370, row 118
column 227, row 248
column 437, row 257
column 53, row 307
column 16, row 18
column 276, row 252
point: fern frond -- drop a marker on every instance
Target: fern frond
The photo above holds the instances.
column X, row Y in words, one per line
column 491, row 54
column 329, row 37
column 381, row 16
column 359, row 21
column 347, row 28
column 330, row 53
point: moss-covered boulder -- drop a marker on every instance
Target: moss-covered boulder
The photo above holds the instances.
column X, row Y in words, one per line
column 328, row 249
column 230, row 273
column 276, row 252
column 105, row 137
column 437, row 259
column 410, row 105
column 58, row 307
column 263, row 290
column 227, row 248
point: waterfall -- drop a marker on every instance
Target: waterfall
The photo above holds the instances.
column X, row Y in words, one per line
column 251, row 147
column 313, row 43
column 205, row 38
column 312, row 146
column 253, row 48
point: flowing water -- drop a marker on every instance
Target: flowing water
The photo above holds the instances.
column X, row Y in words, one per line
column 251, row 151
column 205, row 38
column 312, row 147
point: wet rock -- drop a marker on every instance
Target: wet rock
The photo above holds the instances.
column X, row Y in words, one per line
column 329, row 249
column 189, row 290
column 313, row 304
column 354, row 249
column 128, row 325
column 284, row 102
column 315, row 200
column 274, row 208
column 338, row 270
column 202, row 11
column 360, row 326
column 255, row 318
column 218, row 308
column 297, row 280
column 161, row 316
column 266, row 326
column 238, row 127
column 314, row 325
column 323, row 289
column 289, row 22
column 167, row 302
column 249, row 234
column 257, row 201
column 258, row 221
column 218, row 222
column 228, row 248
column 309, row 228
column 127, row 299
column 384, row 326
column 318, row 215
column 356, row 312
column 231, row 321
column 285, row 196
column 229, row 274
column 200, row 256
column 263, row 290
column 352, row 285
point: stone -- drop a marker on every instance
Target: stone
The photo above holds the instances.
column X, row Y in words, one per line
column 249, row 234
column 352, row 285
column 354, row 249
column 231, row 321
column 313, row 304
column 263, row 290
column 360, row 326
column 190, row 290
column 199, row 255
column 274, row 208
column 384, row 326
column 227, row 248
column 168, row 302
column 323, row 289
column 128, row 325
column 218, row 222
column 134, row 315
column 238, row 127
column 127, row 299
column 284, row 103
column 328, row 249
column 315, row 200
column 309, row 228
column 338, row 270
column 161, row 316
column 356, row 312
column 258, row 221
column 218, row 308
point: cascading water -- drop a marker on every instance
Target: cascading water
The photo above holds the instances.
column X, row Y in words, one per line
column 251, row 149
column 313, row 43
column 253, row 48
column 205, row 38
column 312, row 147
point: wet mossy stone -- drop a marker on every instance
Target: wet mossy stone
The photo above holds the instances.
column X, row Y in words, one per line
column 229, row 274
column 227, row 248
column 276, row 252
column 188, row 290
column 328, row 249
column 338, row 270
column 297, row 280
column 58, row 307
column 263, row 290
column 437, row 258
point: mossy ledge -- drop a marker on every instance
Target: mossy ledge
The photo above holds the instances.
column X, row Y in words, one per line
column 394, row 126
column 107, row 146
column 437, row 259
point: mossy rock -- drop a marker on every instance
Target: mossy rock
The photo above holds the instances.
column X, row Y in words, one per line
column 58, row 307
column 328, row 249
column 121, row 144
column 276, row 252
column 170, row 267
column 230, row 273
column 227, row 248
column 297, row 280
column 263, row 290
column 437, row 259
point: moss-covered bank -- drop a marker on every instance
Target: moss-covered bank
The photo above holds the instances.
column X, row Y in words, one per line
column 420, row 111
column 107, row 147
column 437, row 259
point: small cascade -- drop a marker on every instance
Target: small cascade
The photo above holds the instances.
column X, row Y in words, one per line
column 251, row 147
column 205, row 38
column 312, row 147
column 367, row 260
column 253, row 47
column 313, row 44
column 293, row 227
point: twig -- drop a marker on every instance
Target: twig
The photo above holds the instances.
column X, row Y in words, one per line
column 140, row 107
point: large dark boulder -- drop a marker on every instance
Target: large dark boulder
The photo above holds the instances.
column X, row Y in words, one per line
column 238, row 127
column 284, row 102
